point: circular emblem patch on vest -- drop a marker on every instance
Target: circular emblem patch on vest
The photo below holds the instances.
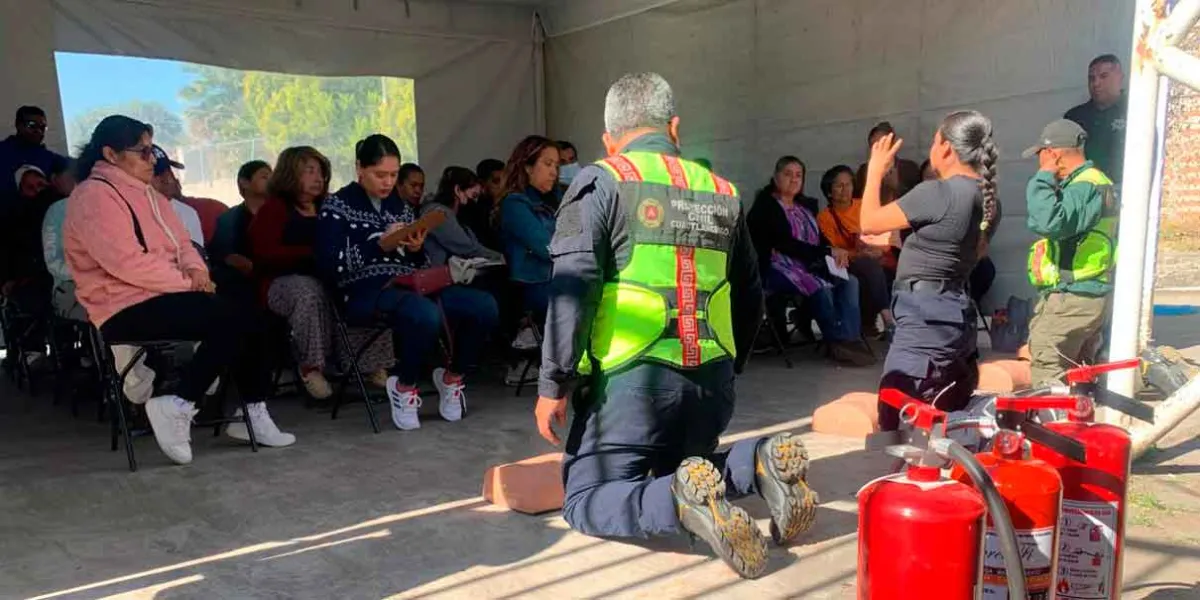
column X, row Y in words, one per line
column 650, row 213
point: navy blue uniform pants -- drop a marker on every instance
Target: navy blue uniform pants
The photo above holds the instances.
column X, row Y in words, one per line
column 630, row 432
column 933, row 356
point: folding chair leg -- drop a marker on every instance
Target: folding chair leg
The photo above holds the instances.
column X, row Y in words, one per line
column 524, row 374
column 344, row 335
column 869, row 347
column 219, row 397
column 122, row 424
column 114, row 431
column 98, row 361
column 249, row 427
column 780, row 349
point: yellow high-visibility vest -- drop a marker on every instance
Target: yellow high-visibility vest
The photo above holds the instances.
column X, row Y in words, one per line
column 671, row 303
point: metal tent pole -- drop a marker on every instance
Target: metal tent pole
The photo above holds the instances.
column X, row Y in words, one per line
column 1150, row 269
column 1135, row 197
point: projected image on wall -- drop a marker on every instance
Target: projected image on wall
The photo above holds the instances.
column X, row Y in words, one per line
column 214, row 119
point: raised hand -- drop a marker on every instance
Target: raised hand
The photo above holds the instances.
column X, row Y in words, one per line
column 883, row 154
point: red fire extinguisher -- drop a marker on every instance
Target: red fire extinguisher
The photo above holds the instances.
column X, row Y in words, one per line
column 1092, row 526
column 920, row 534
column 1032, row 491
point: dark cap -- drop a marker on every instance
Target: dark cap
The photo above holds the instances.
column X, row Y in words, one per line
column 1063, row 133
column 162, row 162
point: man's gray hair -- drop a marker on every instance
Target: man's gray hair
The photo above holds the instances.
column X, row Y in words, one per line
column 638, row 100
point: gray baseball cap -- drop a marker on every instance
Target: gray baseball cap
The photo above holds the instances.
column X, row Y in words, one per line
column 1063, row 133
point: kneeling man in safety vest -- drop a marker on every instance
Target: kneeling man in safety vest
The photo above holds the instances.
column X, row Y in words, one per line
column 1073, row 207
column 655, row 302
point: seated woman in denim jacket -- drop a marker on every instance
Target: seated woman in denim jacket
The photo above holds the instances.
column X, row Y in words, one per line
column 527, row 218
column 354, row 250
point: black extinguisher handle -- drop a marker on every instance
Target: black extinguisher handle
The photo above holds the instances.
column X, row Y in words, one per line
column 1123, row 404
column 1069, row 447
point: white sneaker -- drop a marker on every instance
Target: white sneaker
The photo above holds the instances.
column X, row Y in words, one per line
column 265, row 430
column 171, row 419
column 525, row 340
column 405, row 405
column 316, row 385
column 452, row 398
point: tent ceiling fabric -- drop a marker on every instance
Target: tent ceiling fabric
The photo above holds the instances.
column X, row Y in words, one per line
column 318, row 37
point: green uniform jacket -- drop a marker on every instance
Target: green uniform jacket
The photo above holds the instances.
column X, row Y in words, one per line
column 1062, row 211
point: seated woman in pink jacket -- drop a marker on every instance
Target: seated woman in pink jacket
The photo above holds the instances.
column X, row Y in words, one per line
column 141, row 280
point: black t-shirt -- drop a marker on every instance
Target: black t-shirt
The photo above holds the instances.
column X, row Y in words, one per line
column 1106, row 135
column 945, row 217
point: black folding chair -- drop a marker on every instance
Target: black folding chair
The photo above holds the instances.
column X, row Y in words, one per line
column 530, row 356
column 17, row 326
column 353, row 356
column 779, row 343
column 113, row 384
column 69, row 345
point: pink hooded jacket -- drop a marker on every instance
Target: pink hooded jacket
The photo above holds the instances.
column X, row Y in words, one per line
column 112, row 271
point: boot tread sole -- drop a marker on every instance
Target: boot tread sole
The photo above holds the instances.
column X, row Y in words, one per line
column 738, row 540
column 789, row 465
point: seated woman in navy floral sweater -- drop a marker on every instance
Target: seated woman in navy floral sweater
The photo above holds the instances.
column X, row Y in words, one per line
column 353, row 250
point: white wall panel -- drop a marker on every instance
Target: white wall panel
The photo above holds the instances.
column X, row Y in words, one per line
column 27, row 66
column 756, row 79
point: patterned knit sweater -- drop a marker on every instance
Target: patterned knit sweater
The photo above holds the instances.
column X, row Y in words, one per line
column 348, row 232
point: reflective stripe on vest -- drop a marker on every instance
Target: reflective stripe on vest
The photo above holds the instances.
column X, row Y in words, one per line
column 671, row 302
column 1090, row 256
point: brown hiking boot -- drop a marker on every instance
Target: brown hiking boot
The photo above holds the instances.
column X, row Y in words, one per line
column 699, row 491
column 781, row 470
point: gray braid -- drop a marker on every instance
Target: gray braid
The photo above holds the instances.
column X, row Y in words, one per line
column 988, row 155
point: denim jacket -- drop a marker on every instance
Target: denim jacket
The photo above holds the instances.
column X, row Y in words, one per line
column 527, row 224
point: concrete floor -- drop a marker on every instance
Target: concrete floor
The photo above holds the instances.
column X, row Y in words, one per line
column 348, row 514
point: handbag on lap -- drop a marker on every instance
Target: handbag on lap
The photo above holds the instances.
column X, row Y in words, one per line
column 426, row 282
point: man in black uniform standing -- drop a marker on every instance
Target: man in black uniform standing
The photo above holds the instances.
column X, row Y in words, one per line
column 1103, row 116
column 655, row 301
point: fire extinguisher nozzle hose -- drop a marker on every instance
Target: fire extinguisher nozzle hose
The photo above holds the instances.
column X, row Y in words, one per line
column 1001, row 520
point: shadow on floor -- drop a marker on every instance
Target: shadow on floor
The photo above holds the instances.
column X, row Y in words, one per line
column 345, row 513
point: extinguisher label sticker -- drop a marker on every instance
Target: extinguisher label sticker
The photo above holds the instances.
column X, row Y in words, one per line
column 1037, row 552
column 1087, row 545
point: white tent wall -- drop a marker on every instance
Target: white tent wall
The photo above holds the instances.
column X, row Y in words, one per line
column 757, row 79
column 27, row 66
column 473, row 63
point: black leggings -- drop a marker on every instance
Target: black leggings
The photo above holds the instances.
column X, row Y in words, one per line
column 228, row 334
column 982, row 277
column 875, row 287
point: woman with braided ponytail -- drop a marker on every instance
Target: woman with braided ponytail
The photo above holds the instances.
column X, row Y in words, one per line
column 933, row 354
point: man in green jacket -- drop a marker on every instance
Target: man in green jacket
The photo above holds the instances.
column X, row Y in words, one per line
column 1073, row 207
